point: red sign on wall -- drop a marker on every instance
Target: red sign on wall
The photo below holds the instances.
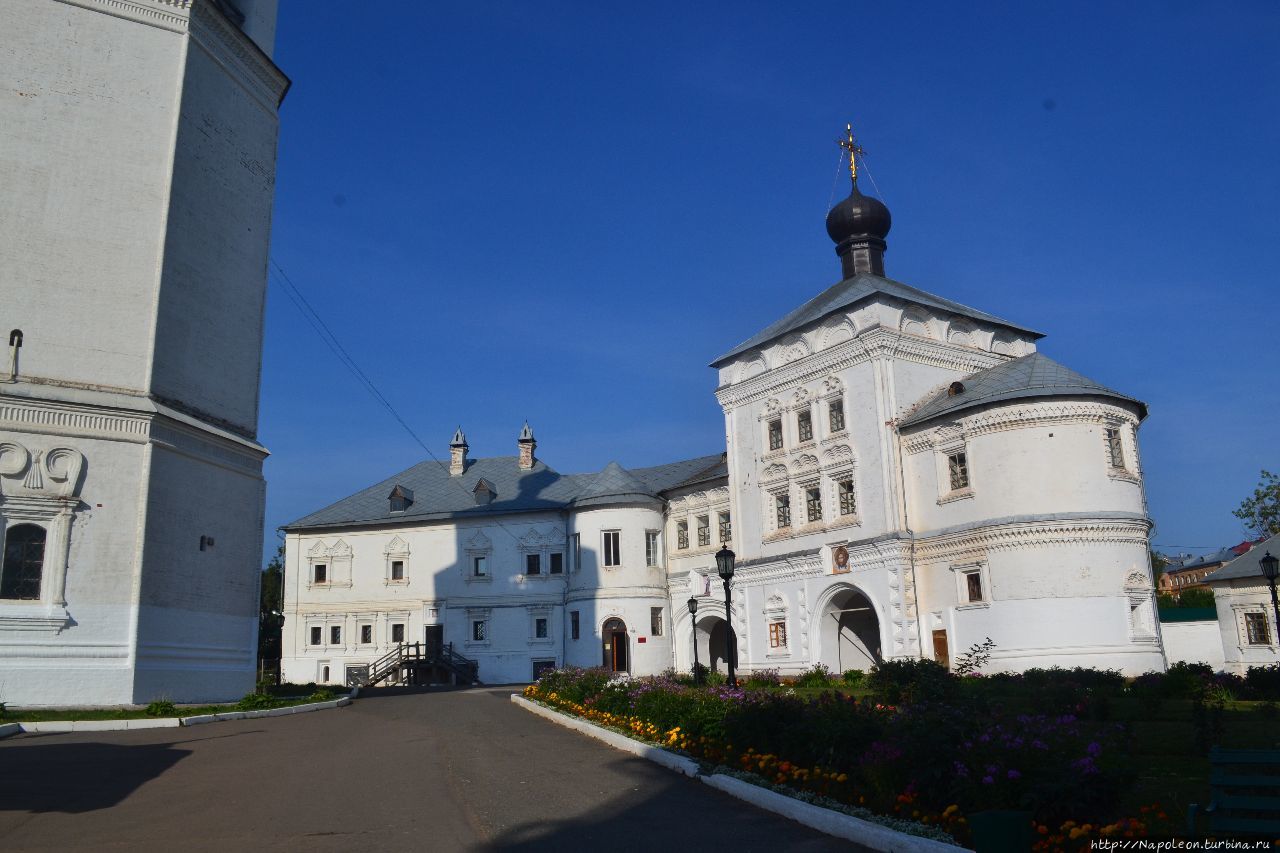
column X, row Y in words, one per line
column 641, row 639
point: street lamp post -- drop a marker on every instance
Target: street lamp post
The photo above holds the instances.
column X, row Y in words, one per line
column 724, row 565
column 693, row 617
column 1271, row 570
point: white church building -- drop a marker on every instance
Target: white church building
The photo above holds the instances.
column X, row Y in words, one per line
column 138, row 159
column 904, row 477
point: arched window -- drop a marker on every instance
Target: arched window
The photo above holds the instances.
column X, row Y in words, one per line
column 23, row 562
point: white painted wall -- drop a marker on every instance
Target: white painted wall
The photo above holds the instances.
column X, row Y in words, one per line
column 1194, row 642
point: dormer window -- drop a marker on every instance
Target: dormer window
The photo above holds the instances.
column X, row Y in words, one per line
column 400, row 498
column 955, row 388
column 484, row 492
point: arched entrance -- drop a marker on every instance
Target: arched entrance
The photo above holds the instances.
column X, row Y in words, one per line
column 716, row 640
column 849, row 632
column 709, row 636
column 616, row 646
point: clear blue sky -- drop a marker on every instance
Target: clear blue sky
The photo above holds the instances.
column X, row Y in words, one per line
column 563, row 212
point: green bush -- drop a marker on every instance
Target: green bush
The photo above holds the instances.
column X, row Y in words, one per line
column 323, row 694
column 896, row 681
column 161, row 708
column 574, row 683
column 763, row 678
column 852, row 677
column 816, row 676
column 1263, row 682
column 256, row 702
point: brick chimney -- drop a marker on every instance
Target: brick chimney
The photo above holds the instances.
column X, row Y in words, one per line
column 527, row 445
column 458, row 454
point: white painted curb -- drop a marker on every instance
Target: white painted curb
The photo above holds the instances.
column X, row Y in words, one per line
column 835, row 823
column 656, row 754
column 63, row 726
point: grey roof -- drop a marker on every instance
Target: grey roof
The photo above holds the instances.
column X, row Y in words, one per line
column 438, row 496
column 614, row 484
column 1034, row 375
column 1246, row 565
column 1223, row 556
column 844, row 294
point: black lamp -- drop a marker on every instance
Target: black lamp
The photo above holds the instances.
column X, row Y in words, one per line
column 693, row 614
column 724, row 566
column 1271, row 570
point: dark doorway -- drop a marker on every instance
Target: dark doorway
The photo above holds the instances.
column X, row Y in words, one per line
column 940, row 651
column 615, row 646
column 434, row 639
column 716, row 646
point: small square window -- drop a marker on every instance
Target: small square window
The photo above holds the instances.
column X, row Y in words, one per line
column 804, row 426
column 973, row 586
column 557, row 563
column 317, row 636
column 1115, row 449
column 320, row 573
column 397, row 632
column 533, row 564
column 782, row 504
column 848, row 503
column 682, row 534
column 704, row 530
column 478, row 630
column 397, row 570
column 651, row 547
column 777, row 634
column 958, row 468
column 655, row 621
column 366, row 634
column 479, row 567
column 335, row 635
column 1257, row 629
column 574, row 624
column 775, row 434
column 813, row 503
column 835, row 414
column 540, row 628
column 612, row 548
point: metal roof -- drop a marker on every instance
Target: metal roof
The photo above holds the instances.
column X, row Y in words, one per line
column 1246, row 565
column 1034, row 375
column 844, row 294
column 438, row 495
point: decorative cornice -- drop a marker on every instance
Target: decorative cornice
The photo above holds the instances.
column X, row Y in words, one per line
column 171, row 15
column 239, row 55
column 876, row 342
column 1009, row 416
column 43, row 416
column 1035, row 534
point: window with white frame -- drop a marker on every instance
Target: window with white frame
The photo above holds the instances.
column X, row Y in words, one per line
column 775, row 618
column 704, row 530
column 682, row 534
column 1257, row 631
column 835, row 415
column 1115, row 448
column 973, row 587
column 777, row 635
column 612, row 547
column 23, row 562
column 804, row 426
column 397, row 570
column 813, row 503
column 651, row 548
column 480, row 566
column 366, row 635
column 775, row 434
column 533, row 564
column 655, row 621
column 726, row 528
column 479, row 630
column 397, row 632
column 335, row 635
column 317, row 635
column 575, row 624
column 541, row 631
column 845, row 497
column 555, row 562
column 958, row 470
column 320, row 573
column 782, row 510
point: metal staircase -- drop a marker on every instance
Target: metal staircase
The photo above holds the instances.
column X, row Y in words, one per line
column 420, row 663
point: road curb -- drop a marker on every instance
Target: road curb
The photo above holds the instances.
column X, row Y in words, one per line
column 657, row 755
column 837, row 824
column 64, row 726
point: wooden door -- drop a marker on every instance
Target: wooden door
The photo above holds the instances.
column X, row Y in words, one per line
column 940, row 652
column 620, row 651
column 434, row 639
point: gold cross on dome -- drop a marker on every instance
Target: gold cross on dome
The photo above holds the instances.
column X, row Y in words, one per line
column 855, row 150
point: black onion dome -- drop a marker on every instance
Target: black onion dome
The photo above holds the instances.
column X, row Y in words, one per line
column 858, row 216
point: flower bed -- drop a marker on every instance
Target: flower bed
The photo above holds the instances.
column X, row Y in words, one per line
column 936, row 758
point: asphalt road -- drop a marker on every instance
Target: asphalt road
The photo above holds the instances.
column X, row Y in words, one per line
column 436, row 771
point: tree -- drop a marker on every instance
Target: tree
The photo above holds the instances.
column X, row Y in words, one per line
column 1261, row 512
column 271, row 608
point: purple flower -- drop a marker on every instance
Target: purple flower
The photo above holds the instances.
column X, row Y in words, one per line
column 1014, row 774
column 987, row 780
column 1094, row 748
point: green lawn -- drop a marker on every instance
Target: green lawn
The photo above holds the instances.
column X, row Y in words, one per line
column 52, row 714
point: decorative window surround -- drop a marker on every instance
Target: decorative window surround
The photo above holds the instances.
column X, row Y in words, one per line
column 775, row 618
column 543, row 614
column 481, row 615
column 1241, row 612
column 336, row 560
column 397, row 551
column 478, row 547
column 1142, row 609
column 1120, row 444
column 962, row 572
